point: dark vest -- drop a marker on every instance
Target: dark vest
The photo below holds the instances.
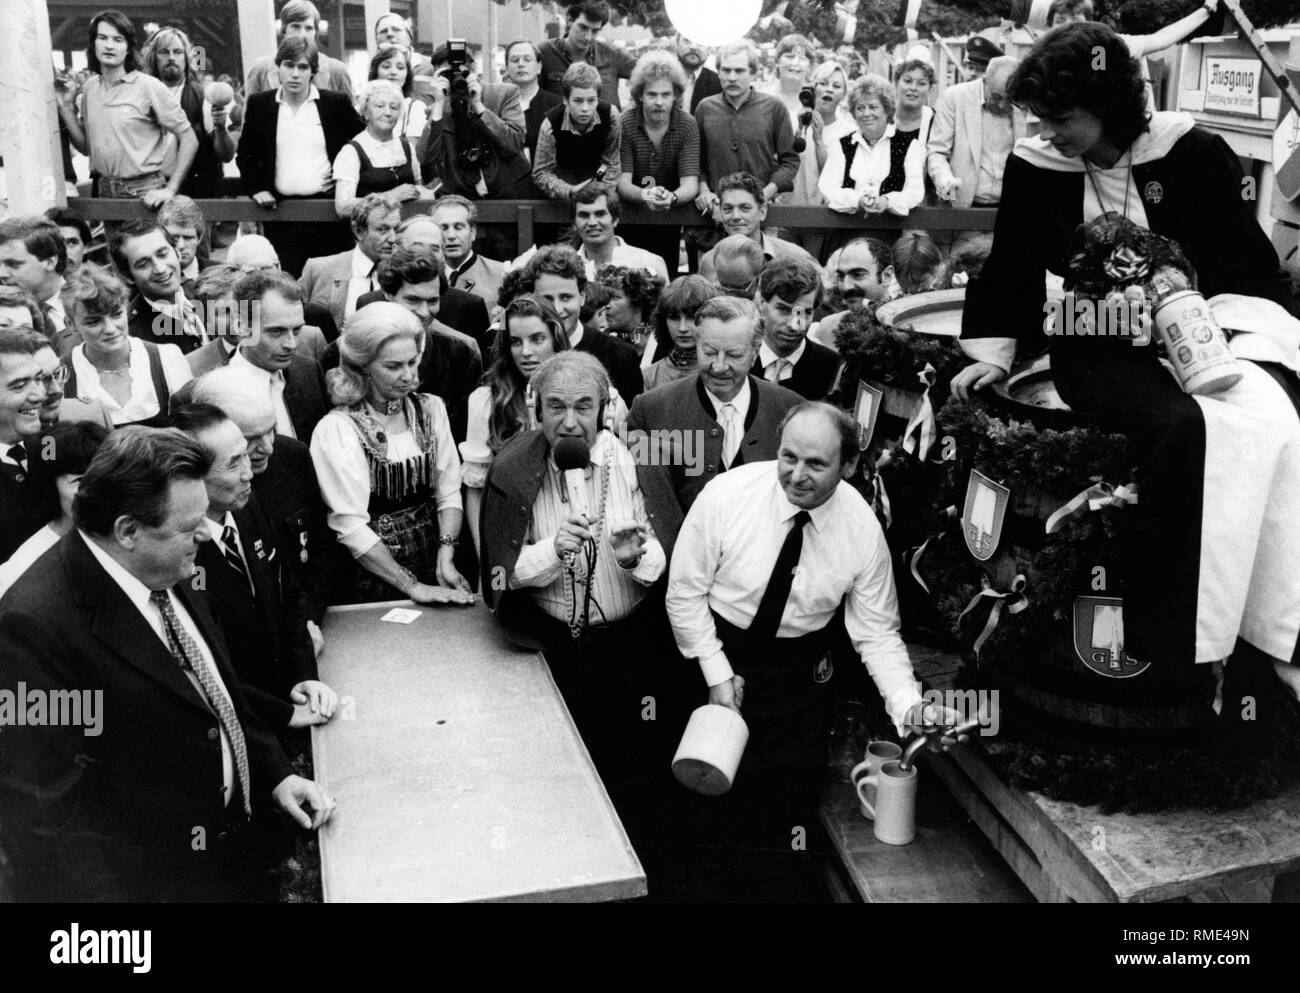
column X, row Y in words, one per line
column 380, row 179
column 578, row 156
column 206, row 171
column 159, row 387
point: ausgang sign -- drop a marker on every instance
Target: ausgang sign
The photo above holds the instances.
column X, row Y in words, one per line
column 1232, row 86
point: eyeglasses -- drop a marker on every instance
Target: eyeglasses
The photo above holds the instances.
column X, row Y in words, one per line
column 58, row 377
column 745, row 292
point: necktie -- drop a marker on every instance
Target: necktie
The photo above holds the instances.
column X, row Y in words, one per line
column 773, row 372
column 230, row 549
column 186, row 652
column 767, row 619
column 191, row 323
column 730, row 433
column 19, row 455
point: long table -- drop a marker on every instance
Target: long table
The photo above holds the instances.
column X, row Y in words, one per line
column 458, row 772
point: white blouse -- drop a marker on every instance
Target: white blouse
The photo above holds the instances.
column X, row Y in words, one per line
column 143, row 402
column 415, row 115
column 870, row 168
column 344, row 474
column 474, row 450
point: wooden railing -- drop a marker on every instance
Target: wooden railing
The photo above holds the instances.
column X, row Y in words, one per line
column 524, row 215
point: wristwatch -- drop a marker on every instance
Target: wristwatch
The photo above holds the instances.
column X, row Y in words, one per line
column 446, row 539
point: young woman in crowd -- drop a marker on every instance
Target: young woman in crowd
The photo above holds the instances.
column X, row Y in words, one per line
column 387, row 465
column 394, row 64
column 674, row 318
column 133, row 379
column 72, row 446
column 502, row 407
column 830, row 85
column 918, row 263
column 377, row 160
column 913, row 81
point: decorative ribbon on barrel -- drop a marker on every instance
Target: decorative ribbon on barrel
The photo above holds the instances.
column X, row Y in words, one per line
column 1096, row 496
column 920, row 431
column 1013, row 599
column 919, row 550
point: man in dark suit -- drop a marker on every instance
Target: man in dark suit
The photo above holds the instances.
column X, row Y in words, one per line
column 459, row 309
column 154, row 781
column 474, row 144
column 272, row 170
column 268, row 353
column 560, row 278
column 254, row 251
column 158, row 310
column 451, row 365
column 254, row 594
column 701, row 81
column 466, row 268
column 708, row 423
column 284, row 481
column 788, row 292
column 22, row 393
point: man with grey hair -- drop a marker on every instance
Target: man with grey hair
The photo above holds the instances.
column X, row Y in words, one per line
column 284, row 480
column 764, row 559
column 571, row 575
column 169, row 799
column 722, row 417
column 336, row 281
column 974, row 129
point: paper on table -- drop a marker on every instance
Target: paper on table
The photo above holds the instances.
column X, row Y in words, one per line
column 401, row 615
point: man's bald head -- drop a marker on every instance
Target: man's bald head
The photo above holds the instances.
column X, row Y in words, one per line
column 996, row 80
column 252, row 251
column 737, row 262
column 421, row 231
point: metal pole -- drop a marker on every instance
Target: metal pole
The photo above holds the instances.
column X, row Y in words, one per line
column 29, row 127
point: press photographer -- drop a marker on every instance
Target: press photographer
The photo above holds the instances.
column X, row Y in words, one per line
column 473, row 143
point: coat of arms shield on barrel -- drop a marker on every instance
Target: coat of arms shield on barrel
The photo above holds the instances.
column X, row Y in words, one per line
column 1099, row 637
column 982, row 516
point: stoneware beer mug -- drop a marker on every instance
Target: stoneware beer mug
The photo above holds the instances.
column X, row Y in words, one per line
column 710, row 750
column 894, row 806
column 878, row 753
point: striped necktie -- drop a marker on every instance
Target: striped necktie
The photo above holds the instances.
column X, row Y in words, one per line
column 185, row 651
column 230, row 550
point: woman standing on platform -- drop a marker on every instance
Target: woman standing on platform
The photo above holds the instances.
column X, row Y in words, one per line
column 503, row 406
column 394, row 64
column 133, row 379
column 1209, row 542
column 376, row 160
column 830, row 85
column 387, row 465
column 913, row 81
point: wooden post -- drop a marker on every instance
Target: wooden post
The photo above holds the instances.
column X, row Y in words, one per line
column 29, row 126
column 256, row 31
column 490, row 50
column 375, row 9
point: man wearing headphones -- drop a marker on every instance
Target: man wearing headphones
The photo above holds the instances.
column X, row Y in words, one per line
column 568, row 561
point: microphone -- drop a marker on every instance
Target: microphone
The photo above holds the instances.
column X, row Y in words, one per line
column 800, row 144
column 572, row 456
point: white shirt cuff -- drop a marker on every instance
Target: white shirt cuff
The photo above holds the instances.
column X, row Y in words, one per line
column 716, row 668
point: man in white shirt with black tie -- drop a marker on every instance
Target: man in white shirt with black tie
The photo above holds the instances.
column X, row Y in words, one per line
column 763, row 560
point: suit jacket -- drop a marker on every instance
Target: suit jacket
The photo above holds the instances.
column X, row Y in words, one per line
column 683, row 409
column 22, row 512
column 815, row 375
column 450, row 368
column 255, row 155
column 619, row 359
column 500, row 131
column 707, row 84
column 462, row 314
column 147, row 324
column 542, row 104
column 266, row 627
column 513, row 481
column 324, row 282
column 483, row 279
column 955, row 138
column 76, row 409
column 311, row 345
column 304, row 395
column 290, row 495
column 114, row 816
